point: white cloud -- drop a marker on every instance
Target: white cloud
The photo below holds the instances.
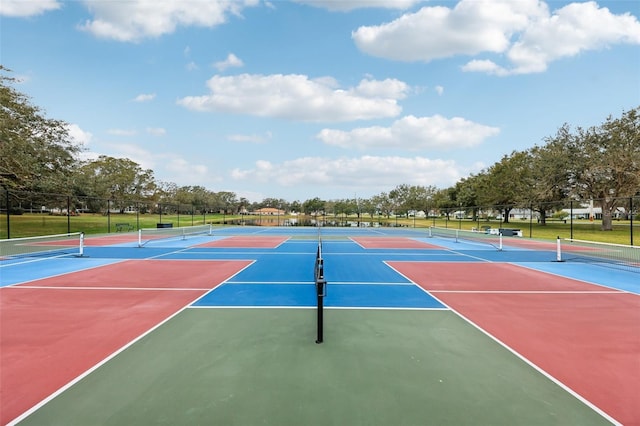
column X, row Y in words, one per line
column 156, row 131
column 185, row 171
column 144, row 97
column 121, row 132
column 253, row 138
column 413, row 134
column 347, row 5
column 134, row 152
column 172, row 166
column 231, row 61
column 296, row 97
column 523, row 32
column 26, row 8
column 134, row 20
column 79, row 136
column 575, row 28
column 374, row 173
column 439, row 90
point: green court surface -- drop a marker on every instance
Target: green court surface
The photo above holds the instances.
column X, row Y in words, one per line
column 236, row 366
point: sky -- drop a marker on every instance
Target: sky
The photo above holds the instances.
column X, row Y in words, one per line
column 333, row 99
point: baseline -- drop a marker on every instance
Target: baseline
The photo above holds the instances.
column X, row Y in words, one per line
column 583, row 336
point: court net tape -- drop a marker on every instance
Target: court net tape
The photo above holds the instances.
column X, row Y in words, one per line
column 60, row 245
column 606, row 254
column 492, row 238
column 154, row 235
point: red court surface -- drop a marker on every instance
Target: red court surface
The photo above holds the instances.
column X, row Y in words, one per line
column 587, row 340
column 392, row 243
column 173, row 274
column 54, row 333
column 485, row 276
column 246, row 242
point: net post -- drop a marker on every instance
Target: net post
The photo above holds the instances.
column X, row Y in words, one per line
column 558, row 250
column 457, row 235
column 320, row 293
column 500, row 241
column 430, row 232
column 81, row 252
column 140, row 237
column 321, row 287
column 210, row 229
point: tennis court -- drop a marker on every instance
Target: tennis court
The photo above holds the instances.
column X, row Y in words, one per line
column 220, row 328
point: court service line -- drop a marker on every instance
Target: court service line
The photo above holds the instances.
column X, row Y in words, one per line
column 314, row 307
column 44, row 287
column 528, row 291
column 114, row 262
column 522, row 357
column 311, row 282
column 32, row 260
column 556, row 274
column 90, row 370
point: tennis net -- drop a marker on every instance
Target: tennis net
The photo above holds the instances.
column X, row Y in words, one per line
column 321, row 288
column 71, row 244
column 607, row 254
column 154, row 235
column 319, row 265
column 461, row 235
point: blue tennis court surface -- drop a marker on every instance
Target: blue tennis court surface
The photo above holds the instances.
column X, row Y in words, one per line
column 303, row 295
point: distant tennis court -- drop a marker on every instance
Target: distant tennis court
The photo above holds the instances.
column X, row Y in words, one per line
column 219, row 326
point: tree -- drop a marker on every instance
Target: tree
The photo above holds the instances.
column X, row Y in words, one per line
column 314, row 206
column 228, row 201
column 548, row 176
column 606, row 163
column 118, row 179
column 383, row 204
column 401, row 198
column 445, row 199
column 466, row 194
column 36, row 153
column 504, row 183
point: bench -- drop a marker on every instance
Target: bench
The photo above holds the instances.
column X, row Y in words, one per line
column 124, row 227
column 553, row 219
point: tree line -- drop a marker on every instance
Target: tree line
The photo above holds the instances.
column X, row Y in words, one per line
column 600, row 164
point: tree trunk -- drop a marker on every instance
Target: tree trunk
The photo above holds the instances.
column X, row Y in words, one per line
column 608, row 206
column 543, row 217
column 506, row 214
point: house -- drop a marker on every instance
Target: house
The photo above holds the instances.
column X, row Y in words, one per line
column 269, row 211
column 595, row 212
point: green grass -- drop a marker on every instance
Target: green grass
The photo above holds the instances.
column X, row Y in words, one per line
column 33, row 224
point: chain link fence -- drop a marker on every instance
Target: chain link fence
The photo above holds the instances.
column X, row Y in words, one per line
column 32, row 213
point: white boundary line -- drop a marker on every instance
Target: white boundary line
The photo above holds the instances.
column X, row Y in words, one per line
column 526, row 360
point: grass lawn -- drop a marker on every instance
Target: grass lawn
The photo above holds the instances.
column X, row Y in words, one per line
column 33, row 224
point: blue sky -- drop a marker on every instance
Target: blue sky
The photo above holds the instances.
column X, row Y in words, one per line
column 325, row 98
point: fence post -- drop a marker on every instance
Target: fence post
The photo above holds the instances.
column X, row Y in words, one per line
column 6, row 191
column 571, row 218
column 530, row 220
column 631, row 219
column 68, row 214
